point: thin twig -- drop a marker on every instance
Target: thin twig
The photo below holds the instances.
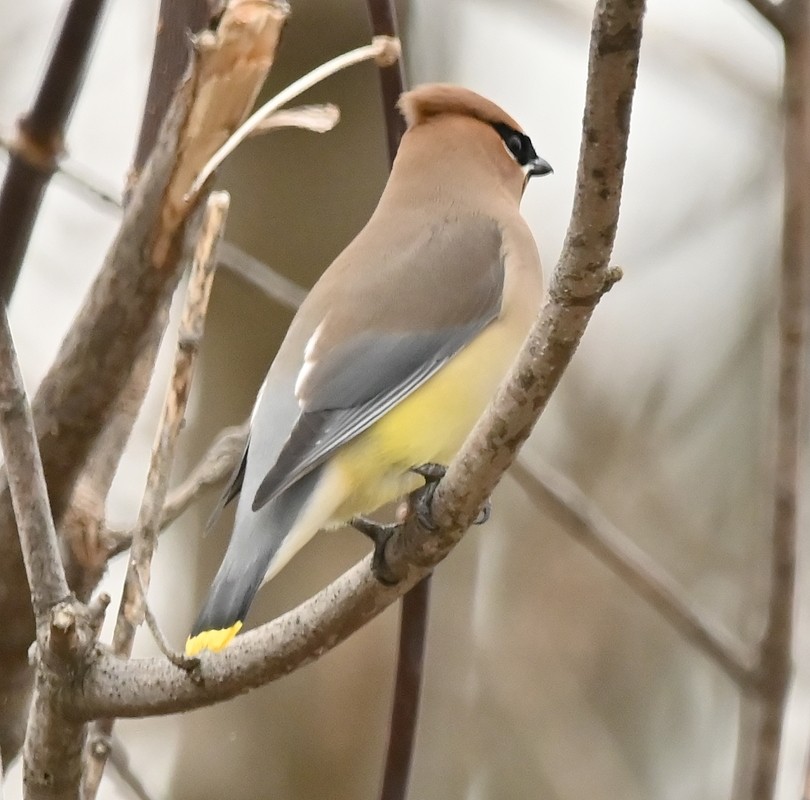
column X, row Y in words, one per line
column 38, row 143
column 275, row 285
column 382, row 49
column 589, row 526
column 114, row 687
column 133, row 608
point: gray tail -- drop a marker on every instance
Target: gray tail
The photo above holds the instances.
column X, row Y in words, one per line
column 256, row 538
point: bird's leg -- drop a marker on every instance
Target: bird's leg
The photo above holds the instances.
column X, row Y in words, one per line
column 379, row 533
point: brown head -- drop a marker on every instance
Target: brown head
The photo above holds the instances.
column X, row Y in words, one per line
column 454, row 122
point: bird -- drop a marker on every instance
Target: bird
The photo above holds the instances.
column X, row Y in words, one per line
column 395, row 352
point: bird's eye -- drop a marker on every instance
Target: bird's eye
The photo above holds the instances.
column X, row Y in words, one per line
column 515, row 144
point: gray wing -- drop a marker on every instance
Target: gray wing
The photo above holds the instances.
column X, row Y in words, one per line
column 356, row 382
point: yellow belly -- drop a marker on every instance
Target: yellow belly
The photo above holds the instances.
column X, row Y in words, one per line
column 430, row 425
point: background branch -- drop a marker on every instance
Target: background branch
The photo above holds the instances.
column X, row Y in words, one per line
column 588, row 525
column 39, row 139
column 763, row 717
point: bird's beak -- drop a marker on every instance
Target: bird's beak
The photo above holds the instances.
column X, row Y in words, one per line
column 538, row 166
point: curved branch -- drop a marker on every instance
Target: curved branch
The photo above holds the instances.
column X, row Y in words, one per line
column 112, row 687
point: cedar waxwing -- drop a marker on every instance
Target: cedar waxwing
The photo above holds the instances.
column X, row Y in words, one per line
column 396, row 351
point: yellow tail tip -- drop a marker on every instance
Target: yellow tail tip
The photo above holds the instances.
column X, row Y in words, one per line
column 211, row 640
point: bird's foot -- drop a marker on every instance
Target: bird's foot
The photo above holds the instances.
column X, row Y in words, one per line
column 433, row 473
column 423, row 498
column 379, row 533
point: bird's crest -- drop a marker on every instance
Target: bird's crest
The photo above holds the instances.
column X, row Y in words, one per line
column 434, row 99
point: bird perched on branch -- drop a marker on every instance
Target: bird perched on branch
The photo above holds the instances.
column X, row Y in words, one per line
column 396, row 351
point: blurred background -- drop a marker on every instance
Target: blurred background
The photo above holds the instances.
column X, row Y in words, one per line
column 546, row 675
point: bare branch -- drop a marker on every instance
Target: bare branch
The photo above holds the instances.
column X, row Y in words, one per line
column 284, row 291
column 38, row 144
column 588, row 525
column 171, row 421
column 113, row 687
column 794, row 293
column 133, row 608
column 581, row 275
column 407, row 690
column 26, row 481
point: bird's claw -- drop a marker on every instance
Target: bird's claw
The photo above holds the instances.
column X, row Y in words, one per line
column 380, row 534
column 484, row 514
column 432, row 473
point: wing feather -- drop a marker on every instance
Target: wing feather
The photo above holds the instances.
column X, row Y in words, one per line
column 348, row 386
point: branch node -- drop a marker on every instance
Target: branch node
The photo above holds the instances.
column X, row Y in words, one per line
column 41, row 156
column 612, row 277
column 389, row 50
column 70, row 634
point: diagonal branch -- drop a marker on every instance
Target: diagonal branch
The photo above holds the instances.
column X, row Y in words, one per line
column 26, row 482
column 113, row 687
column 39, row 140
column 642, row 574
